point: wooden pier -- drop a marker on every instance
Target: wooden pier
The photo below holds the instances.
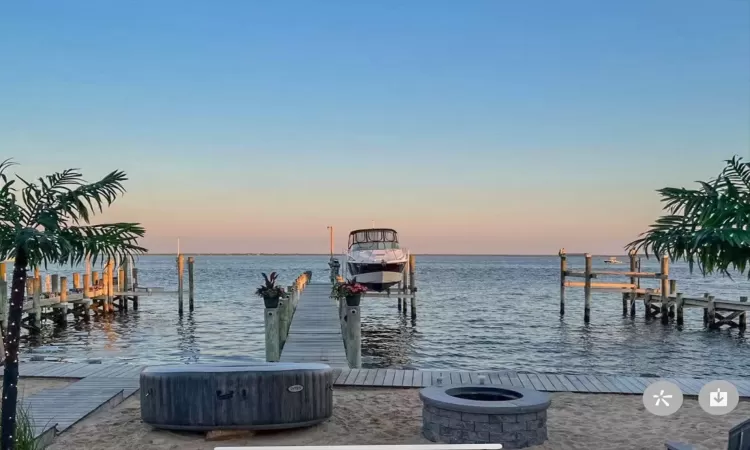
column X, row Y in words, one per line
column 663, row 301
column 310, row 326
column 54, row 297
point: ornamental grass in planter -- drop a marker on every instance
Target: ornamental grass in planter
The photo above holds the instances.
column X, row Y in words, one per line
column 270, row 293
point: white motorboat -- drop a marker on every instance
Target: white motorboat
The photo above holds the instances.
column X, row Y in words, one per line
column 612, row 260
column 375, row 258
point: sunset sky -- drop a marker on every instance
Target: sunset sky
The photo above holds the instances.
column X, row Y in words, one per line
column 503, row 127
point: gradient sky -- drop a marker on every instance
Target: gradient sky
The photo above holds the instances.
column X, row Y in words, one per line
column 471, row 127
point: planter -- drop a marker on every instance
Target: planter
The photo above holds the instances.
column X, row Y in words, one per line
column 271, row 302
column 353, row 300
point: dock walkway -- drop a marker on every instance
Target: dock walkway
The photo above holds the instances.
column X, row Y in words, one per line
column 315, row 331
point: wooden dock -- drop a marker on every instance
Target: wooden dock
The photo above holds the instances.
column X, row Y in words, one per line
column 315, row 330
column 546, row 382
column 663, row 301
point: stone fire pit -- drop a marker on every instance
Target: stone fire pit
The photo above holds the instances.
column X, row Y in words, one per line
column 481, row 414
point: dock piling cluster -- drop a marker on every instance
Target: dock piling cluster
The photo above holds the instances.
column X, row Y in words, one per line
column 663, row 302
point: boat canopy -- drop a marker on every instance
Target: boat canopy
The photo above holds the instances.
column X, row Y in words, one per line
column 373, row 239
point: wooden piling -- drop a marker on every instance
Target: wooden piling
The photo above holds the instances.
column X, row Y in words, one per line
column 664, row 289
column 273, row 351
column 672, row 292
column 705, row 311
column 126, row 281
column 284, row 305
column 3, row 272
column 135, row 286
column 62, row 311
column 95, row 279
column 36, row 304
column 412, row 288
column 191, row 283
column 55, row 285
column 353, row 336
column 587, row 289
column 743, row 316
column 563, row 269
column 110, row 286
column 180, row 270
column 634, row 292
column 711, row 312
column 76, row 281
column 121, row 279
column 47, row 284
column 680, row 309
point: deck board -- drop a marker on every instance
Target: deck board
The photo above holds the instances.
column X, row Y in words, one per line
column 315, row 331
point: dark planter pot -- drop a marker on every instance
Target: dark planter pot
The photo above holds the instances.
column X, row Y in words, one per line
column 353, row 300
column 271, row 302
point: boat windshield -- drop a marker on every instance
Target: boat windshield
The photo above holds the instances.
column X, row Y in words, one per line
column 373, row 240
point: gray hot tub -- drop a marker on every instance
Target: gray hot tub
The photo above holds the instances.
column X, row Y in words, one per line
column 258, row 396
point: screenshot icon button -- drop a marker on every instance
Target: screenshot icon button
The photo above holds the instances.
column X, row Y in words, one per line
column 718, row 397
column 662, row 398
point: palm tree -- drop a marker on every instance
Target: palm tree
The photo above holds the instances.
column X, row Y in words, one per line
column 707, row 226
column 48, row 222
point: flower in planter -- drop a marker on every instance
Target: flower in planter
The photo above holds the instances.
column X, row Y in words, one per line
column 349, row 288
column 269, row 289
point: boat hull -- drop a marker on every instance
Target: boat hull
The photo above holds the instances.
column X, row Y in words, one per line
column 376, row 277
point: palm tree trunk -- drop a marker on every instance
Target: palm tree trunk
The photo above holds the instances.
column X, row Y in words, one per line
column 12, row 335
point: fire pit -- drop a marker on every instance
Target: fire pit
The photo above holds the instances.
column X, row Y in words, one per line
column 482, row 414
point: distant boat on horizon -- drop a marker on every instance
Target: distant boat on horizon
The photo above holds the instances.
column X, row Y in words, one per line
column 612, row 260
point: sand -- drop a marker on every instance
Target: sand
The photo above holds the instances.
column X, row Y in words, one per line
column 393, row 416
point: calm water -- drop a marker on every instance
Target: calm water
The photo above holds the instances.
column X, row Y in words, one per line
column 474, row 313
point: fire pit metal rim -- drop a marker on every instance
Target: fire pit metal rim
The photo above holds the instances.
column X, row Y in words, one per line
column 530, row 401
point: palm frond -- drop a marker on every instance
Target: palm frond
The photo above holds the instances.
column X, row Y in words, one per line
column 707, row 227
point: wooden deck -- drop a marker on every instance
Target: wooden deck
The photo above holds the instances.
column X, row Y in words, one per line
column 315, row 332
column 121, row 374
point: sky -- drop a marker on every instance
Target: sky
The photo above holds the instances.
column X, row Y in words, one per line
column 499, row 126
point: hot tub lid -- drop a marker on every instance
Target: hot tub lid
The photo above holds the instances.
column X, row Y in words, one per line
column 238, row 367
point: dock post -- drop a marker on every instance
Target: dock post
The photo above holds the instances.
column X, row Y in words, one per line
column 705, row 311
column 680, row 309
column 86, row 297
column 634, row 293
column 273, row 352
column 412, row 290
column 76, row 281
column 711, row 312
column 743, row 316
column 284, row 305
column 563, row 270
column 62, row 311
column 3, row 297
column 95, row 279
column 664, row 289
column 672, row 292
column 54, row 285
column 48, row 284
column 37, row 302
column 180, row 267
column 135, row 285
column 403, row 287
column 587, row 289
column 353, row 336
column 126, row 281
column 191, row 282
column 110, row 268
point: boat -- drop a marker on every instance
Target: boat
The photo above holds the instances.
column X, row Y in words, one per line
column 375, row 259
column 612, row 260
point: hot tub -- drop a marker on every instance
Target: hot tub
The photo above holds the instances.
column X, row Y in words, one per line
column 258, row 396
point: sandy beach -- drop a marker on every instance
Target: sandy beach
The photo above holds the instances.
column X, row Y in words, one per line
column 393, row 416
